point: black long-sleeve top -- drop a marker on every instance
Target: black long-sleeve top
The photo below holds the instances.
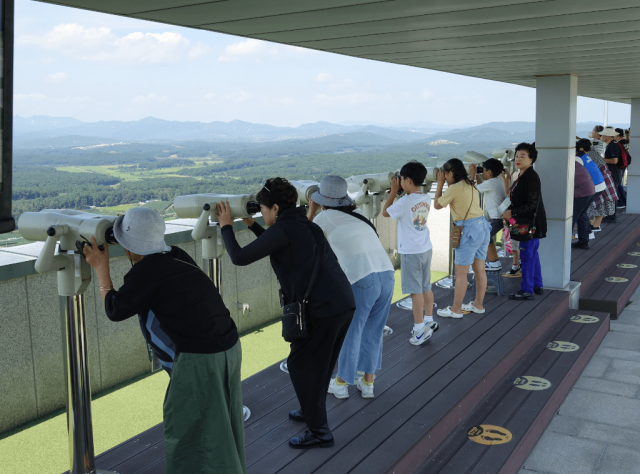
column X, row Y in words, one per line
column 183, row 299
column 524, row 200
column 291, row 245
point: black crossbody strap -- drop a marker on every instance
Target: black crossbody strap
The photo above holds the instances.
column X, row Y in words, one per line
column 316, row 266
column 362, row 218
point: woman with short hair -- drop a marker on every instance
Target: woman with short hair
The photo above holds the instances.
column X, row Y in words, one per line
column 355, row 242
column 526, row 202
column 293, row 244
column 183, row 318
column 464, row 201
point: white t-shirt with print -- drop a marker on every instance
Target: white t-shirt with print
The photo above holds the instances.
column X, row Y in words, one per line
column 494, row 195
column 412, row 211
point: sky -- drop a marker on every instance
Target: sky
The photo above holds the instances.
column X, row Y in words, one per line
column 92, row 66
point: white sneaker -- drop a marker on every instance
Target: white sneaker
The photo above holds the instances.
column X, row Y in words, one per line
column 340, row 391
column 447, row 313
column 246, row 412
column 472, row 309
column 592, row 236
column 418, row 338
column 366, row 390
column 360, row 374
column 431, row 324
column 387, row 331
column 493, row 265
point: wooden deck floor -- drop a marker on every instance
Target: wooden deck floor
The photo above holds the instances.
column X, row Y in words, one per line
column 414, row 390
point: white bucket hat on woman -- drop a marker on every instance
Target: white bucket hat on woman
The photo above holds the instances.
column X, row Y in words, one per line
column 141, row 231
column 332, row 192
column 609, row 132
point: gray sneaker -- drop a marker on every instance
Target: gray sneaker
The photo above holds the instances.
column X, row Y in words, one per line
column 366, row 390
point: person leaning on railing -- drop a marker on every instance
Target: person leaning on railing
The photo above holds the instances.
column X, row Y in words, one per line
column 183, row 318
column 464, row 200
column 367, row 265
column 290, row 242
column 526, row 201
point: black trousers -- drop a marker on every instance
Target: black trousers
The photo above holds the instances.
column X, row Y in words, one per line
column 580, row 207
column 311, row 363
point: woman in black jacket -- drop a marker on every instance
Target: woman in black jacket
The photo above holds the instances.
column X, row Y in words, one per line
column 526, row 201
column 291, row 242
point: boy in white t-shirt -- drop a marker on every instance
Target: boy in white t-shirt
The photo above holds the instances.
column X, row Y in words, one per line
column 414, row 246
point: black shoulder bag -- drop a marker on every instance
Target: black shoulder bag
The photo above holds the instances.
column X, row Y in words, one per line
column 295, row 317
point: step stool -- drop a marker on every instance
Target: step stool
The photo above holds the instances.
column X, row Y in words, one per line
column 495, row 277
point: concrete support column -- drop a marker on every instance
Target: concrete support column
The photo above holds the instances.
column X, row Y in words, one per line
column 556, row 103
column 633, row 172
column 7, row 223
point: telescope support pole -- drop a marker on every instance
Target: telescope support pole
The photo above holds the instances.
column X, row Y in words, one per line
column 76, row 367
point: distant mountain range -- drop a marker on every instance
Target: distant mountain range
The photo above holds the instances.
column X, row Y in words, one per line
column 41, row 131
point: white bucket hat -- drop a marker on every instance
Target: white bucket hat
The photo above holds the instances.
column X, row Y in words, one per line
column 332, row 192
column 609, row 132
column 141, row 231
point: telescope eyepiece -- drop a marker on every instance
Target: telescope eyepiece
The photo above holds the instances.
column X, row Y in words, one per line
column 365, row 181
column 109, row 236
column 253, row 207
column 51, row 231
column 206, row 207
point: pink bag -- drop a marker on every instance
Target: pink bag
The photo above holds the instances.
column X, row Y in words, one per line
column 506, row 240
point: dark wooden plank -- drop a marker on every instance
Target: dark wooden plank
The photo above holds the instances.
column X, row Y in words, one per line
column 142, row 460
column 130, row 448
column 403, row 452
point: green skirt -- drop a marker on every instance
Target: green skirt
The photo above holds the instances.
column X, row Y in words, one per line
column 203, row 420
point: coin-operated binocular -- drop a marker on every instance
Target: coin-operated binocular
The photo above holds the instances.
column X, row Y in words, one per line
column 203, row 207
column 369, row 192
column 305, row 189
column 69, row 231
column 507, row 157
column 72, row 230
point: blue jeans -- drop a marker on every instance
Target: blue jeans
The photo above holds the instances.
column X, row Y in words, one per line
column 531, row 271
column 474, row 241
column 362, row 347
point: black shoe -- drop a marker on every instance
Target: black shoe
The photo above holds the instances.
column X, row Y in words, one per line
column 521, row 295
column 515, row 269
column 609, row 220
column 315, row 438
column 296, row 415
column 538, row 291
column 580, row 245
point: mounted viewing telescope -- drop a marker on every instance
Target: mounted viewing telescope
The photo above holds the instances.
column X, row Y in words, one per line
column 73, row 230
column 305, row 189
column 507, row 156
column 373, row 183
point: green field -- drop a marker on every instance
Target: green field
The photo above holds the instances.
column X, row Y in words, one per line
column 135, row 174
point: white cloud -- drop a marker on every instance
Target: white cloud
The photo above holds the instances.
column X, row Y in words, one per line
column 149, row 98
column 248, row 49
column 102, row 45
column 324, row 77
column 35, row 96
column 56, row 78
column 199, row 50
column 426, row 94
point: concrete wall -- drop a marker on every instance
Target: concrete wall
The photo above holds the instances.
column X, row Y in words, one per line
column 31, row 375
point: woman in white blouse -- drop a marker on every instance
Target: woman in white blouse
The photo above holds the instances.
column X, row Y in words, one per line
column 365, row 262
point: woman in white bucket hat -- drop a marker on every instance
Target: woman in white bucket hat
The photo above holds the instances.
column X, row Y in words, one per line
column 183, row 318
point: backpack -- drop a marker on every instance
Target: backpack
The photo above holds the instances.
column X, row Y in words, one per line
column 626, row 158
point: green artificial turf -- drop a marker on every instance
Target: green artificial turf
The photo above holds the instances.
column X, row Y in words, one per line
column 121, row 414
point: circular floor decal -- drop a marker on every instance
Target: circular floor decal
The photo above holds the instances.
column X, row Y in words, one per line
column 634, row 254
column 626, row 265
column 583, row 318
column 562, row 346
column 616, row 279
column 531, row 383
column 489, row 435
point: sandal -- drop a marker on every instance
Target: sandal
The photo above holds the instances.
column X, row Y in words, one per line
column 472, row 309
column 447, row 313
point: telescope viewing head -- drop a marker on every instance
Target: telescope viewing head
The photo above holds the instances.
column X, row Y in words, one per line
column 305, row 189
column 67, row 226
column 373, row 183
